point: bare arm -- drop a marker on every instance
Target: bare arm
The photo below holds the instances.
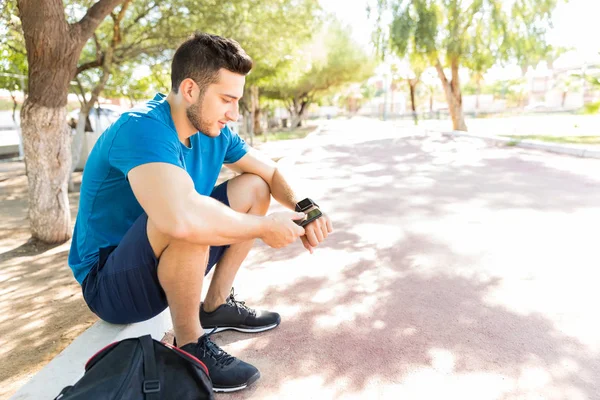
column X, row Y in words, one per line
column 257, row 163
column 167, row 195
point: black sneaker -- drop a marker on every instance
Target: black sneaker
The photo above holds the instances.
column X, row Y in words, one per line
column 238, row 316
column 228, row 374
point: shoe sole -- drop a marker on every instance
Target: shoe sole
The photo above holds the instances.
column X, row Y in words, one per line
column 252, row 379
column 245, row 330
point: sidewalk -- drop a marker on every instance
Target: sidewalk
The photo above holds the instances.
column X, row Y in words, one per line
column 457, row 270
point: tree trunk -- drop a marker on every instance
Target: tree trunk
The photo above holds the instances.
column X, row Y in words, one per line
column 299, row 108
column 79, row 145
column 453, row 96
column 47, row 148
column 248, row 127
column 564, row 99
column 431, row 102
column 53, row 48
column 255, row 105
column 15, row 105
column 412, row 83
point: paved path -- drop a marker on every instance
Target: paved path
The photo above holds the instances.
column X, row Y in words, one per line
column 457, row 271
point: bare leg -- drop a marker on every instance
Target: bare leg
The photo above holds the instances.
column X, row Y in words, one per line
column 181, row 278
column 249, row 194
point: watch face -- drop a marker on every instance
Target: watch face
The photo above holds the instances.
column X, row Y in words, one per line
column 304, row 204
column 313, row 213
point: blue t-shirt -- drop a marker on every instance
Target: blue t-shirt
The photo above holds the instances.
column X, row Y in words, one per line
column 107, row 206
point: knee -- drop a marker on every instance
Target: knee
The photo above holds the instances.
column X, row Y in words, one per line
column 160, row 241
column 260, row 193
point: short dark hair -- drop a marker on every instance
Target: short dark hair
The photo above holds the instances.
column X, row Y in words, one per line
column 201, row 57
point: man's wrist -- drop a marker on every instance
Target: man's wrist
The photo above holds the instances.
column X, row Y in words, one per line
column 259, row 225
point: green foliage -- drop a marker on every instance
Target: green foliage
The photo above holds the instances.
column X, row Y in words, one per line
column 526, row 24
column 330, row 62
column 593, row 108
column 151, row 30
column 13, row 56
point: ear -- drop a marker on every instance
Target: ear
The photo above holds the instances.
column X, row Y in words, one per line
column 189, row 90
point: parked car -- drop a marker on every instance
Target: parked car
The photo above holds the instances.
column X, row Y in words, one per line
column 99, row 118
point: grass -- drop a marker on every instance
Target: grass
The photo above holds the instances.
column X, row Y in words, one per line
column 561, row 139
column 286, row 134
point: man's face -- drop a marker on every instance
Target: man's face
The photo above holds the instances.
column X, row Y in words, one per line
column 218, row 105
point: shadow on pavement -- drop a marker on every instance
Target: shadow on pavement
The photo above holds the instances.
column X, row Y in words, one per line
column 411, row 310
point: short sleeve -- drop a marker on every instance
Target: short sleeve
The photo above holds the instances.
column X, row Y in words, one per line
column 236, row 148
column 141, row 141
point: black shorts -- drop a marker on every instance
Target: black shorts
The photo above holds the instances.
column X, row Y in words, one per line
column 123, row 287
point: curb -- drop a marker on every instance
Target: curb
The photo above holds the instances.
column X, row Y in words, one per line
column 67, row 367
column 531, row 144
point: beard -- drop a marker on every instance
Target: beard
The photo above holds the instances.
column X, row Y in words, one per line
column 194, row 114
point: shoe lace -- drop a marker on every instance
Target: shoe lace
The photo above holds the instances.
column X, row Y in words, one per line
column 239, row 305
column 210, row 348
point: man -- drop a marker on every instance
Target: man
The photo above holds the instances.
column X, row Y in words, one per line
column 151, row 223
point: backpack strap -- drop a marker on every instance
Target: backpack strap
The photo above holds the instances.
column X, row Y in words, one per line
column 63, row 392
column 151, row 385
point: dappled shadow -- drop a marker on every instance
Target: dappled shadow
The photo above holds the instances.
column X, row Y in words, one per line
column 41, row 306
column 32, row 247
column 380, row 320
column 413, row 295
column 41, row 312
column 440, row 169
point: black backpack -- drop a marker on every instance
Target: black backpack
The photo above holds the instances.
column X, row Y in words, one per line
column 141, row 369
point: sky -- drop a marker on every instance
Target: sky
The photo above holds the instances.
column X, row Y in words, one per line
column 575, row 24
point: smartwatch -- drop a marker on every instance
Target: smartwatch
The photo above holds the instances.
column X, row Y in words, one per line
column 304, row 206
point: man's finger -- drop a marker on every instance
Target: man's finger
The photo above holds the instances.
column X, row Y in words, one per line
column 297, row 215
column 307, row 245
column 318, row 233
column 312, row 238
column 323, row 227
column 329, row 225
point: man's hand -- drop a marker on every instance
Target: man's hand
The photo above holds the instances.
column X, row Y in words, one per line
column 316, row 232
column 281, row 229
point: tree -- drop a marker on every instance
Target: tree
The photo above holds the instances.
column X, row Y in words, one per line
column 106, row 60
column 412, row 77
column 53, row 48
column 445, row 33
column 125, row 83
column 567, row 83
column 150, row 29
column 331, row 61
column 257, row 26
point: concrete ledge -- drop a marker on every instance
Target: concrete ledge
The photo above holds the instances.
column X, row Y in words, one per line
column 67, row 367
column 532, row 144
